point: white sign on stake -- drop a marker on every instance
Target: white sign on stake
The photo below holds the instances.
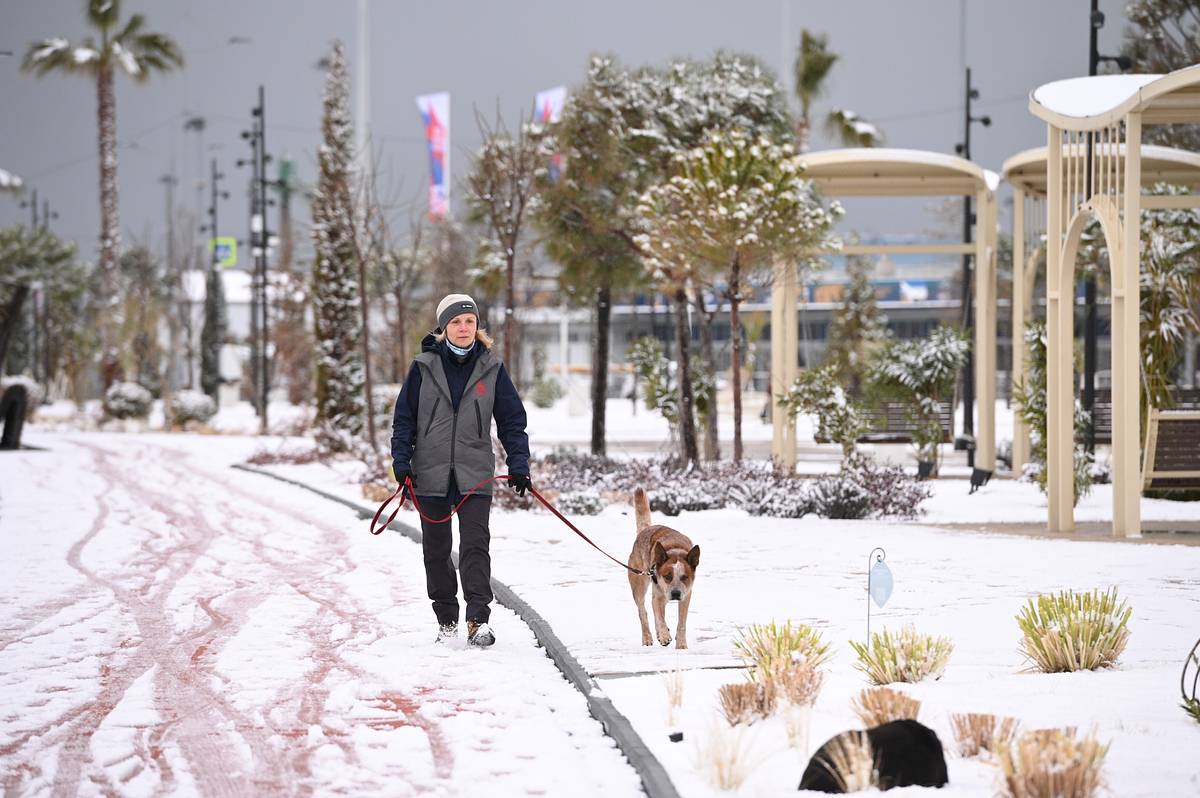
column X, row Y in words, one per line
column 879, row 583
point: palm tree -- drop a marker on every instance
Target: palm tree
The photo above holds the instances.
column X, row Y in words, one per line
column 138, row 54
column 813, row 64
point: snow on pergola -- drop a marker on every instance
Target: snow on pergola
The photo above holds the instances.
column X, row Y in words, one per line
column 1026, row 173
column 1094, row 164
column 884, row 172
column 9, row 181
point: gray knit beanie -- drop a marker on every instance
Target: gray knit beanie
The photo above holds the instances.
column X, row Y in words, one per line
column 454, row 305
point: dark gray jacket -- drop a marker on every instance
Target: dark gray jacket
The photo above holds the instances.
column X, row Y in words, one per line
column 440, row 427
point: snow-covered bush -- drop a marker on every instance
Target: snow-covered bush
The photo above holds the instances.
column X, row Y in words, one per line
column 33, row 392
column 189, row 405
column 772, row 495
column 907, row 657
column 127, row 400
column 1074, row 631
column 876, row 706
column 839, row 496
column 1029, row 399
column 892, row 491
column 677, row 495
column 581, row 503
column 1100, row 472
column 1052, row 762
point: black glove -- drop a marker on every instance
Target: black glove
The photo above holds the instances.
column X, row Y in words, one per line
column 520, row 483
column 404, row 474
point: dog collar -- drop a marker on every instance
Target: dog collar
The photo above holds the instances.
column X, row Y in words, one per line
column 653, row 574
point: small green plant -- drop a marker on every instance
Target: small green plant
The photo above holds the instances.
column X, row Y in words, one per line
column 771, row 649
column 546, row 390
column 921, row 374
column 1074, row 631
column 909, row 656
column 816, row 392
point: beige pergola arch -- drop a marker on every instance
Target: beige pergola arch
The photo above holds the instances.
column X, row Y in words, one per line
column 863, row 172
column 1026, row 173
column 1109, row 111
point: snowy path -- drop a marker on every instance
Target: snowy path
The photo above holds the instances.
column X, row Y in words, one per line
column 169, row 626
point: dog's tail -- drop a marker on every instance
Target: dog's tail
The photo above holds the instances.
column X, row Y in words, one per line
column 641, row 506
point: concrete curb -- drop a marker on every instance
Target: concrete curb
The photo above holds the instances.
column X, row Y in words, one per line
column 653, row 775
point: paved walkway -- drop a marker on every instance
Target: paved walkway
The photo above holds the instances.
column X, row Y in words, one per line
column 169, row 626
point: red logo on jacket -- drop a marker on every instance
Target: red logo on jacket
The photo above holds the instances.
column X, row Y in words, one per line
column 479, row 389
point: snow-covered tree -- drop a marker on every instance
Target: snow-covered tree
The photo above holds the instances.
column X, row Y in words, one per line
column 857, row 328
column 814, row 61
column 1162, row 36
column 736, row 205
column 585, row 217
column 212, row 334
column 122, row 48
column 27, row 257
column 335, row 288
column 502, row 192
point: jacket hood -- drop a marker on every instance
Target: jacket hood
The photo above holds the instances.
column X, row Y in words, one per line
column 429, row 343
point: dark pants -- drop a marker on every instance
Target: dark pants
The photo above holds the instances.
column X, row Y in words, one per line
column 474, row 560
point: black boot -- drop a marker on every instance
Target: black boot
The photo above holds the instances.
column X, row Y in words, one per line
column 480, row 634
column 446, row 631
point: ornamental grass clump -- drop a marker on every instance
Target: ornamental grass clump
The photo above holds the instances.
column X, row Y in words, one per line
column 878, row 705
column 726, row 756
column 747, row 702
column 850, row 761
column 771, row 648
column 906, row 657
column 1052, row 763
column 976, row 734
column 1074, row 631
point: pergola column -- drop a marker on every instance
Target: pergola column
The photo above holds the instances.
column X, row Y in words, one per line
column 985, row 331
column 1060, row 307
column 784, row 296
column 1020, row 431
column 1127, row 478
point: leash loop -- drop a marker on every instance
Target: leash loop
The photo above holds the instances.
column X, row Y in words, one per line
column 412, row 495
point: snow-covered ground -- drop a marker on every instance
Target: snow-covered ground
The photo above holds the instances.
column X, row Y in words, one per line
column 302, row 689
column 966, row 585
column 170, row 626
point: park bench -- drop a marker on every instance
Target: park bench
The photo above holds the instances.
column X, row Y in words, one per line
column 1185, row 399
column 1172, row 458
column 890, row 423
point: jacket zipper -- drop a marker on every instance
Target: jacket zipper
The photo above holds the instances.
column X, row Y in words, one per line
column 478, row 418
column 453, row 435
column 432, row 415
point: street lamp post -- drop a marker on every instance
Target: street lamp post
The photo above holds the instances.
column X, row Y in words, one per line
column 968, row 375
column 1090, row 331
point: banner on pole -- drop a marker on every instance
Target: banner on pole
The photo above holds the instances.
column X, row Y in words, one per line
column 549, row 107
column 435, row 113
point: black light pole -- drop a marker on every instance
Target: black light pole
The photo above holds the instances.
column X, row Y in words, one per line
column 47, row 214
column 259, row 241
column 968, row 317
column 1090, row 332
column 32, row 204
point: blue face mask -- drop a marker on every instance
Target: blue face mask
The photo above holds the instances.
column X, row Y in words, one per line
column 458, row 350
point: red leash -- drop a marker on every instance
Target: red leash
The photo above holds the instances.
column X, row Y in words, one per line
column 412, row 495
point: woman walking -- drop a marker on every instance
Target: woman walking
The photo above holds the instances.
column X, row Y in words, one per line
column 441, row 440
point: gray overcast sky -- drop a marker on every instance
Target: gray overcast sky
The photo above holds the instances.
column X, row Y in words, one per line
column 901, row 67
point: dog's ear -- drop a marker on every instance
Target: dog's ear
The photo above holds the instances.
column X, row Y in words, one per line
column 658, row 555
column 693, row 558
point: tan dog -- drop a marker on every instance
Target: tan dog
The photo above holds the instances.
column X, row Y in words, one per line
column 669, row 561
